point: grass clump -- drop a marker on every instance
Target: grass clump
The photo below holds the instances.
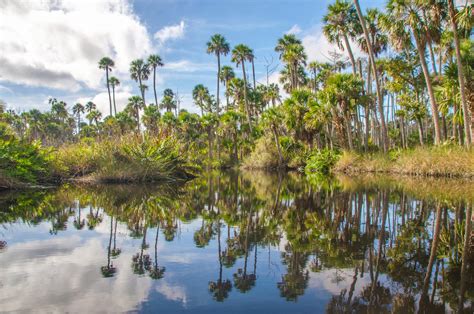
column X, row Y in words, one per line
column 441, row 161
column 129, row 159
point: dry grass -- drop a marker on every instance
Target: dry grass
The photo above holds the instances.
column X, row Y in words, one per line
column 445, row 161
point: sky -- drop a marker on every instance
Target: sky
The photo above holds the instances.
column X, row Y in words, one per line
column 51, row 48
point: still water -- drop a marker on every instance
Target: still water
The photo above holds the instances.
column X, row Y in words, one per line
column 240, row 242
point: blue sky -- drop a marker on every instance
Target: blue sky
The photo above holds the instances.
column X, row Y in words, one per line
column 51, row 48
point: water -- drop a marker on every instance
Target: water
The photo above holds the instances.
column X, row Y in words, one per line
column 239, row 242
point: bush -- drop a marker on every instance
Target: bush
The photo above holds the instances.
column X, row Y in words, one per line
column 24, row 162
column 264, row 156
column 321, row 161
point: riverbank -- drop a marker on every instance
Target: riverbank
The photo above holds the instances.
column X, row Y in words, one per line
column 449, row 161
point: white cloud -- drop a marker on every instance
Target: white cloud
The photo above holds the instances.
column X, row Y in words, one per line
column 170, row 32
column 318, row 47
column 57, row 44
column 102, row 101
column 188, row 66
column 295, row 29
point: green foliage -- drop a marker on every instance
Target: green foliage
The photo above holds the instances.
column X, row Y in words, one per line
column 24, row 162
column 322, row 161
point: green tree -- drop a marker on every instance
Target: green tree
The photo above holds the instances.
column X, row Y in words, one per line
column 139, row 72
column 218, row 46
column 107, row 64
column 77, row 110
column 114, row 82
column 155, row 61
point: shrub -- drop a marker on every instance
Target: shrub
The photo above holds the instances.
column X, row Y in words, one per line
column 24, row 162
column 321, row 161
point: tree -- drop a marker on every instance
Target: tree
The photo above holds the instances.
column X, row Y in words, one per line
column 168, row 102
column 370, row 49
column 114, row 82
column 94, row 116
column 461, row 78
column 407, row 16
column 139, row 72
column 341, row 24
column 107, row 64
column 201, row 98
column 272, row 119
column 154, row 61
column 90, row 106
column 218, row 46
column 136, row 104
column 77, row 110
column 240, row 54
column 226, row 74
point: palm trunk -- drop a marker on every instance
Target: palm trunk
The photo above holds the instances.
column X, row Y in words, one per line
column 108, row 88
column 462, row 83
column 277, row 143
column 253, row 73
column 351, row 55
column 142, row 91
column 376, row 77
column 113, row 95
column 154, row 86
column 218, row 72
column 420, row 130
column 434, row 106
column 245, row 96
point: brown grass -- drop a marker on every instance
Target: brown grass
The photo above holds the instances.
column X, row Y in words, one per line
column 447, row 161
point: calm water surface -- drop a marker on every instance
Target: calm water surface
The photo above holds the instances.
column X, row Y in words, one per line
column 240, row 242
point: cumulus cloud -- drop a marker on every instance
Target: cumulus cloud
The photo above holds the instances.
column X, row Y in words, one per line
column 170, row 32
column 57, row 44
column 102, row 101
column 295, row 29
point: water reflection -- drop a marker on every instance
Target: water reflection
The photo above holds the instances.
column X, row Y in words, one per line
column 277, row 242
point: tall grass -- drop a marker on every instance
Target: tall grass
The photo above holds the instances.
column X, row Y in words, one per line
column 441, row 161
column 128, row 159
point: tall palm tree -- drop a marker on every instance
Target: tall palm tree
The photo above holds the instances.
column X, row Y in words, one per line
column 94, row 116
column 285, row 41
column 136, row 104
column 77, row 110
column 408, row 15
column 107, row 64
column 240, row 54
column 139, row 72
column 154, row 61
column 461, row 78
column 226, row 74
column 218, row 46
column 370, row 49
column 341, row 24
column 295, row 57
column 114, row 82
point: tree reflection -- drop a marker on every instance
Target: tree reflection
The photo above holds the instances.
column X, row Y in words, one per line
column 392, row 250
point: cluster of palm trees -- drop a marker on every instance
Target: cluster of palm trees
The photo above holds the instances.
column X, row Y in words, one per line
column 412, row 86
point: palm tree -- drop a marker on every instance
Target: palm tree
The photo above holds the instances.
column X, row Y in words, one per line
column 136, row 104
column 295, row 57
column 90, row 106
column 113, row 81
column 341, row 25
column 406, row 15
column 226, row 74
column 284, row 42
column 240, row 54
column 139, row 72
column 77, row 110
column 218, row 46
column 370, row 49
column 94, row 116
column 169, row 101
column 200, row 97
column 155, row 61
column 107, row 64
column 462, row 83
